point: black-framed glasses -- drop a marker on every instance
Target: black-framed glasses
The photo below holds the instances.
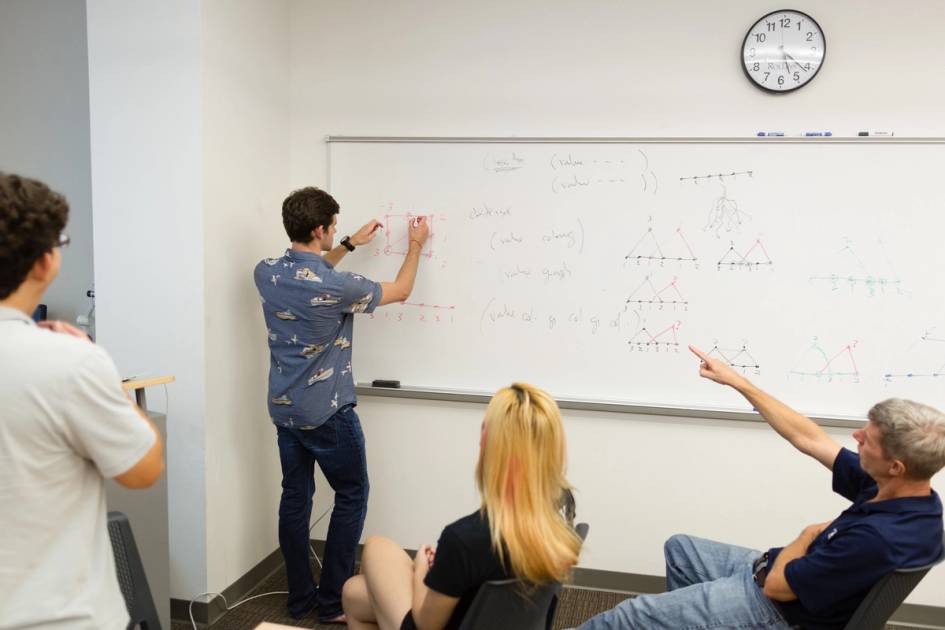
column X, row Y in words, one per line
column 63, row 240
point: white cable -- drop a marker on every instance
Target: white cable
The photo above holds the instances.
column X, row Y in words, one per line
column 190, row 608
column 311, row 527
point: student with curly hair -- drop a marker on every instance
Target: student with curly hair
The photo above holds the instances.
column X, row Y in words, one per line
column 65, row 426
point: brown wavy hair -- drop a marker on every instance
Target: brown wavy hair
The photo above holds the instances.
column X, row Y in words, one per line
column 306, row 209
column 31, row 218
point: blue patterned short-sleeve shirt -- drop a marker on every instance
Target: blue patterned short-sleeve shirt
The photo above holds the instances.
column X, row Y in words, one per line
column 309, row 309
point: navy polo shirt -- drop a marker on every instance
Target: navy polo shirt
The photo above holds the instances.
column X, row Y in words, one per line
column 309, row 309
column 867, row 541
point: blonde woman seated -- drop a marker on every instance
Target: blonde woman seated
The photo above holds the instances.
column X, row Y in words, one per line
column 518, row 531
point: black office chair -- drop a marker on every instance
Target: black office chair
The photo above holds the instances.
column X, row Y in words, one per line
column 508, row 605
column 131, row 578
column 886, row 596
column 512, row 605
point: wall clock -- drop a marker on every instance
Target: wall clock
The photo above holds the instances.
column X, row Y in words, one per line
column 783, row 51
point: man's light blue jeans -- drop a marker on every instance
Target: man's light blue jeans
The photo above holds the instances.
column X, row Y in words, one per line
column 709, row 585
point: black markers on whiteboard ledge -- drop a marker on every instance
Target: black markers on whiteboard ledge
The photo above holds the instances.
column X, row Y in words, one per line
column 877, row 134
column 390, row 384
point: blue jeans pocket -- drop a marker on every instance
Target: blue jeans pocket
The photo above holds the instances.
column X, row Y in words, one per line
column 322, row 438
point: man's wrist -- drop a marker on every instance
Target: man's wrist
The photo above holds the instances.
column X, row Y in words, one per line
column 348, row 243
column 417, row 243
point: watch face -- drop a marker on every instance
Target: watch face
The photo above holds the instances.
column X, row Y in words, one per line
column 783, row 51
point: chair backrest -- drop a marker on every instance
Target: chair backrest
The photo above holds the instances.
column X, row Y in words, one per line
column 131, row 578
column 886, row 596
column 513, row 605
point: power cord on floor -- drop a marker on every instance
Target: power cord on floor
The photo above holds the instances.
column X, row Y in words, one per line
column 190, row 608
column 228, row 608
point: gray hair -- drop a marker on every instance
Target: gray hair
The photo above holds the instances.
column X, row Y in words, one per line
column 912, row 433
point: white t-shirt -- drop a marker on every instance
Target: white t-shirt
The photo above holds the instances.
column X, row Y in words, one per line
column 65, row 426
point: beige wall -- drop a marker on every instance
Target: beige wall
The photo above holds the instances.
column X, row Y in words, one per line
column 246, row 174
column 543, row 68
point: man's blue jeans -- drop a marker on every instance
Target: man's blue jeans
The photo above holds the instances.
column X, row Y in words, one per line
column 709, row 586
column 338, row 447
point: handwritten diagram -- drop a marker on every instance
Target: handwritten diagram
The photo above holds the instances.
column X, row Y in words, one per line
column 926, row 358
column 663, row 340
column 397, row 235
column 695, row 179
column 649, row 250
column 738, row 358
column 651, row 295
column 755, row 257
column 818, row 364
column 849, row 270
column 725, row 215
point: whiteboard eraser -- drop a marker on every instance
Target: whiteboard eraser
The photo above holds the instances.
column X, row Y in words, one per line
column 380, row 382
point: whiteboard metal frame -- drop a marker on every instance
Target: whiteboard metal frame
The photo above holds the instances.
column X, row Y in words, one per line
column 637, row 140
column 614, row 406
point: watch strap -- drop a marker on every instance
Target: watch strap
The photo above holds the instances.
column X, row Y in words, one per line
column 346, row 241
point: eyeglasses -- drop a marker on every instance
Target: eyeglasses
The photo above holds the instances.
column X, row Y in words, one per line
column 63, row 240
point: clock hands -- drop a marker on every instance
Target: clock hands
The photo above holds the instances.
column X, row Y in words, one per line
column 787, row 56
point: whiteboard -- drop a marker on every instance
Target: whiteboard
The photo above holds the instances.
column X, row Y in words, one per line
column 815, row 268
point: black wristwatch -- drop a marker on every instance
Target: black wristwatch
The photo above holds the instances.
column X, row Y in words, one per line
column 346, row 241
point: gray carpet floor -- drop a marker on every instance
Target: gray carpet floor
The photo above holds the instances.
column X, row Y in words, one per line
column 575, row 606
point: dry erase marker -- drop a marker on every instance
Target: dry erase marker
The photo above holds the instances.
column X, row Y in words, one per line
column 817, row 134
column 771, row 134
column 388, row 383
column 878, row 134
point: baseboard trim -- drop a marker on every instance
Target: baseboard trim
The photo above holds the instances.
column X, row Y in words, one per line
column 908, row 615
column 206, row 613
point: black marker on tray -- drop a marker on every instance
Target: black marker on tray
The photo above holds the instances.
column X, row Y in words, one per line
column 380, row 382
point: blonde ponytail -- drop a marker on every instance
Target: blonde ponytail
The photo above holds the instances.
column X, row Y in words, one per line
column 521, row 480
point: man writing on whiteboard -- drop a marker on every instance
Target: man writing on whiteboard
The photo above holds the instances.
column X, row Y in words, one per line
column 309, row 310
column 818, row 580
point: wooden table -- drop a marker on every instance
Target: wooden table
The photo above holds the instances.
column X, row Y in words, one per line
column 138, row 385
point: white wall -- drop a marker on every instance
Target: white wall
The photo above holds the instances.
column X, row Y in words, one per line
column 44, row 126
column 246, row 176
column 542, row 68
column 147, row 192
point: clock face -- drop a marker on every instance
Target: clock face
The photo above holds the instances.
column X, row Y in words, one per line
column 783, row 51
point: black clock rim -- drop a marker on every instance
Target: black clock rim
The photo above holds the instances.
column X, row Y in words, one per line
column 741, row 53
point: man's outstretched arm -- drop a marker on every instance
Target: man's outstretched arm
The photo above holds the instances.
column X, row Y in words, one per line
column 802, row 432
